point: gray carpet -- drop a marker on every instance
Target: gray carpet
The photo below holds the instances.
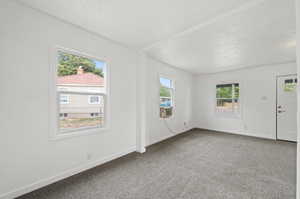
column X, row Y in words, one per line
column 194, row 165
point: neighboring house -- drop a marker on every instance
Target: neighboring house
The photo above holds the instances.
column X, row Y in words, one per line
column 81, row 105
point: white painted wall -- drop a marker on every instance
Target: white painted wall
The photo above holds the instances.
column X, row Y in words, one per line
column 258, row 100
column 298, row 110
column 156, row 127
column 28, row 157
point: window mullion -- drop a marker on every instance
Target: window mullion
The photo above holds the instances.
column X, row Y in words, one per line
column 232, row 98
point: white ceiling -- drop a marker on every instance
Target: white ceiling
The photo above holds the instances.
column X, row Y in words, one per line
column 261, row 34
column 196, row 35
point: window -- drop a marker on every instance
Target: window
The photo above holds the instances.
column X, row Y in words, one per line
column 290, row 85
column 166, row 97
column 95, row 114
column 63, row 115
column 64, row 99
column 81, row 90
column 94, row 99
column 227, row 98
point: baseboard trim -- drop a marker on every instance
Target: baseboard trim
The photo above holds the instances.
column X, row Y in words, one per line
column 63, row 175
column 170, row 136
column 236, row 133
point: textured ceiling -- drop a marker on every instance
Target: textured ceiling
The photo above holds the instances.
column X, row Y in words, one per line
column 136, row 23
column 261, row 34
column 196, row 35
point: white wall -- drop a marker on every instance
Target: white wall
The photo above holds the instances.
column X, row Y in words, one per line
column 28, row 157
column 298, row 111
column 156, row 127
column 258, row 100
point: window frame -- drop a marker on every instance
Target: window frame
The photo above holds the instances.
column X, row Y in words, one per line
column 54, row 103
column 172, row 95
column 229, row 114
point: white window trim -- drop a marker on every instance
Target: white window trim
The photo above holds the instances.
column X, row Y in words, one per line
column 54, row 131
column 67, row 99
column 172, row 95
column 96, row 95
column 230, row 114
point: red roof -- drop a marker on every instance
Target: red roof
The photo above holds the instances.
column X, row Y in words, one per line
column 81, row 79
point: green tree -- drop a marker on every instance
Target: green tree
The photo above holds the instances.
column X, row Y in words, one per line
column 68, row 65
column 225, row 91
column 164, row 92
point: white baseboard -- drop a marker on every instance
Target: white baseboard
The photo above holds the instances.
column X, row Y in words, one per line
column 63, row 175
column 141, row 150
column 238, row 133
column 168, row 136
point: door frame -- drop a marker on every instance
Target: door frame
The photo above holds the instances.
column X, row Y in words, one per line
column 276, row 138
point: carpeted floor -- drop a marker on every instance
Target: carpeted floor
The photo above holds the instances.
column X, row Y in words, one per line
column 194, row 165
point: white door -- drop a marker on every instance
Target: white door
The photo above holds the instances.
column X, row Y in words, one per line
column 287, row 107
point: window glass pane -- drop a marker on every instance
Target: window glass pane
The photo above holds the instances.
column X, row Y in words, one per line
column 165, row 92
column 235, row 104
column 165, row 102
column 236, row 90
column 290, row 85
column 68, row 64
column 79, row 114
column 224, row 91
column 166, row 98
column 166, row 112
column 227, row 98
column 165, row 82
column 224, row 105
column 80, row 74
column 79, row 78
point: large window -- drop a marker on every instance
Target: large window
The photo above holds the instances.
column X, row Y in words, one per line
column 227, row 98
column 166, row 97
column 81, row 92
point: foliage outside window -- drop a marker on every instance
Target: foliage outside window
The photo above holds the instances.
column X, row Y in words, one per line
column 166, row 97
column 81, row 91
column 68, row 64
column 290, row 85
column 227, row 98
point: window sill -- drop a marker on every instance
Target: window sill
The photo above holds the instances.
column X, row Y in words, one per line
column 78, row 133
column 167, row 118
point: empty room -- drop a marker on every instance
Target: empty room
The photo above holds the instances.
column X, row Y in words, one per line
column 149, row 99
